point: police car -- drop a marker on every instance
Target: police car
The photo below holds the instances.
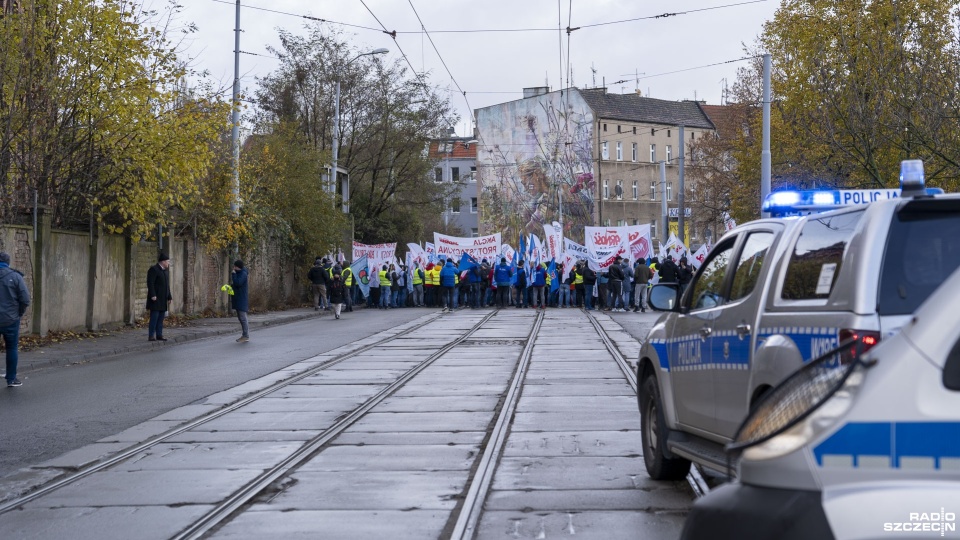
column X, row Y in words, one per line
column 853, row 446
column 774, row 294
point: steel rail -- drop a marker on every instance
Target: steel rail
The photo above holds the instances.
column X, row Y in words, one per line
column 694, row 478
column 472, row 507
column 136, row 449
column 219, row 514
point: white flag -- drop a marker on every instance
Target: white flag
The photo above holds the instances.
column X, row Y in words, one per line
column 699, row 257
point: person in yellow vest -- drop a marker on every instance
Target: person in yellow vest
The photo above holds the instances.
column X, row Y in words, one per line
column 346, row 277
column 435, row 283
column 418, row 278
column 578, row 283
column 384, row 277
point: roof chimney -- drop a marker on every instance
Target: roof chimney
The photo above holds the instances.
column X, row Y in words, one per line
column 535, row 91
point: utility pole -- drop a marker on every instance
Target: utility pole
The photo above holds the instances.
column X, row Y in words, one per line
column 765, row 156
column 680, row 197
column 663, row 201
column 235, row 132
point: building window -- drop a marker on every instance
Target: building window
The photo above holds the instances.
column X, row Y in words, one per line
column 669, row 191
column 652, row 132
column 619, row 129
column 692, row 135
column 619, row 191
column 605, row 150
column 634, row 130
column 653, row 229
column 473, row 174
column 653, row 153
column 668, row 133
column 669, row 151
column 619, row 151
column 636, row 190
column 455, row 206
column 653, row 191
column 473, row 205
column 438, row 175
column 606, row 223
column 606, row 189
column 604, row 127
column 455, row 174
column 475, row 232
column 636, row 152
column 636, row 222
column 621, row 222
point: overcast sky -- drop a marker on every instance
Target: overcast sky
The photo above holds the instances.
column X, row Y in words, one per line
column 494, row 67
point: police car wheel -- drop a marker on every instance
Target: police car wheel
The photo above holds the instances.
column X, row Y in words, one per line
column 653, row 434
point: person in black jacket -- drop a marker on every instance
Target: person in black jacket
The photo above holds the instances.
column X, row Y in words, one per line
column 668, row 271
column 158, row 294
column 615, row 285
column 589, row 282
column 318, row 283
column 14, row 300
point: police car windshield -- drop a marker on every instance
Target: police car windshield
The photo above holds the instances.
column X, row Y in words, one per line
column 923, row 249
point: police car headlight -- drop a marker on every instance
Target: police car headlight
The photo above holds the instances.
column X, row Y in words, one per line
column 801, row 407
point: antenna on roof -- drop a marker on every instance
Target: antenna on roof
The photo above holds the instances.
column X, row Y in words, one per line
column 594, row 70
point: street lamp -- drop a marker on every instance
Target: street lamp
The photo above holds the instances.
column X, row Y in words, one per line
column 336, row 119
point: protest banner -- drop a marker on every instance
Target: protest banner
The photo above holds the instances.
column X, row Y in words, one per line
column 481, row 247
column 553, row 237
column 376, row 254
column 638, row 241
column 578, row 251
column 506, row 252
column 605, row 259
column 602, row 239
column 699, row 257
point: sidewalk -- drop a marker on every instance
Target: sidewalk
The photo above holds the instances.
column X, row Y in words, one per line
column 134, row 340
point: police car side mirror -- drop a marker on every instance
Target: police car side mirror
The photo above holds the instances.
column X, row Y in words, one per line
column 665, row 297
column 951, row 369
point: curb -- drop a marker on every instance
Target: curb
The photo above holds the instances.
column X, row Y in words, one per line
column 61, row 360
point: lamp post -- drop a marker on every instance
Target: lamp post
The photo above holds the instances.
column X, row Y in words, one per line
column 336, row 119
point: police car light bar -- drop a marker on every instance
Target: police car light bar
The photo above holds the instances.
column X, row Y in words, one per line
column 792, row 203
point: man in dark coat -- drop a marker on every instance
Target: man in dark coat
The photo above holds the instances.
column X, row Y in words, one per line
column 14, row 300
column 337, row 294
column 241, row 298
column 158, row 295
column 669, row 272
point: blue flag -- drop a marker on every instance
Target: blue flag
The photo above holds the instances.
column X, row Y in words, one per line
column 361, row 274
column 513, row 270
column 467, row 262
column 554, row 279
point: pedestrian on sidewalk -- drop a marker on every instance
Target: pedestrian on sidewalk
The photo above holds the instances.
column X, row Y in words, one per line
column 641, row 278
column 615, row 277
column 318, row 283
column 14, row 299
column 241, row 298
column 337, row 294
column 346, row 277
column 158, row 295
column 448, row 281
column 419, row 279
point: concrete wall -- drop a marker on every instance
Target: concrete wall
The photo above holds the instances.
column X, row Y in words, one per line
column 66, row 280
column 103, row 284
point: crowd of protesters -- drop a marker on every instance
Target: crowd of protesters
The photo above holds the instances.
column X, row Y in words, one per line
column 621, row 287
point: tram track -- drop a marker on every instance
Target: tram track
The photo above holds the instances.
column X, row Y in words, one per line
column 132, row 451
column 696, row 480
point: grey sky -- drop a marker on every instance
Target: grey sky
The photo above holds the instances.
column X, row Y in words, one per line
column 505, row 62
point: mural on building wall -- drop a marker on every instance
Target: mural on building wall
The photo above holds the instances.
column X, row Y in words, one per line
column 531, row 150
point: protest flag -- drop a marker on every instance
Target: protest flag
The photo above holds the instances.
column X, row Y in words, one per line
column 467, row 262
column 362, row 275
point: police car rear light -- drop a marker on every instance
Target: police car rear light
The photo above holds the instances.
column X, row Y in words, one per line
column 867, row 338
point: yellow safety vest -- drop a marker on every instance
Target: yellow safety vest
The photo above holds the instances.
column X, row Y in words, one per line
column 347, row 276
column 435, row 277
column 384, row 279
column 416, row 277
column 578, row 278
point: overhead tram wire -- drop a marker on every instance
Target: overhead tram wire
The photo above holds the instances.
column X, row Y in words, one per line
column 442, row 61
column 419, row 76
column 394, row 33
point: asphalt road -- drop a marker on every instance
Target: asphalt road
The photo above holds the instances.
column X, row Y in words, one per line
column 61, row 409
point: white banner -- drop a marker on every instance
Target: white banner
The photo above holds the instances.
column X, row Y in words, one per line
column 553, row 236
column 578, row 251
column 568, row 262
column 506, row 252
column 377, row 254
column 639, row 242
column 699, row 257
column 418, row 255
column 481, row 247
column 673, row 247
column 603, row 239
column 605, row 259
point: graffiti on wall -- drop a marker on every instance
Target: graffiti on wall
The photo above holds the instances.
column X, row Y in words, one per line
column 535, row 160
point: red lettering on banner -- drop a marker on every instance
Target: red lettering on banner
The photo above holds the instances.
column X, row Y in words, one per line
column 611, row 238
column 484, row 241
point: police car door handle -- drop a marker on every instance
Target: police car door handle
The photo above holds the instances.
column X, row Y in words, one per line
column 705, row 332
column 743, row 330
